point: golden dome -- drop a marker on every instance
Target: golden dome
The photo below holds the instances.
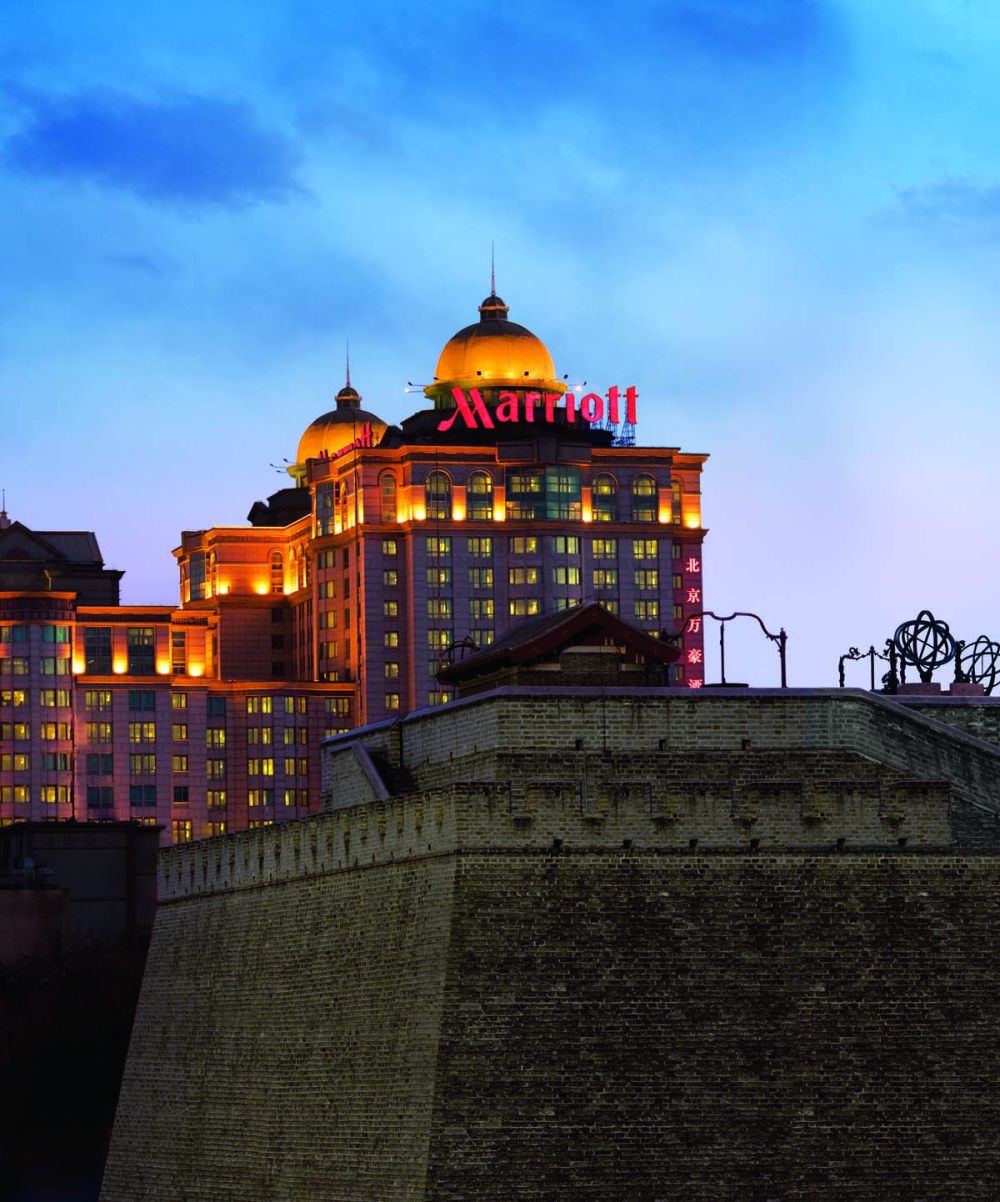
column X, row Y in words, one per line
column 333, row 432
column 494, row 353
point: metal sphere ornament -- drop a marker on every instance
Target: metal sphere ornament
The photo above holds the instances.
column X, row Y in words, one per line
column 979, row 662
column 926, row 643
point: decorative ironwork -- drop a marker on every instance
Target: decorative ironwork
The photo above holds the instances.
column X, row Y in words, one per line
column 781, row 638
column 926, row 643
column 979, row 662
column 890, row 679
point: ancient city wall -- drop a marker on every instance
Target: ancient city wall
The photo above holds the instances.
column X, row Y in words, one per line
column 285, row 1041
column 570, row 1024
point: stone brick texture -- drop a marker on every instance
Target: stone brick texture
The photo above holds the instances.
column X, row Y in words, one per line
column 657, row 955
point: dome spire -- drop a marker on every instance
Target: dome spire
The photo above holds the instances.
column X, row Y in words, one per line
column 493, row 273
column 348, row 397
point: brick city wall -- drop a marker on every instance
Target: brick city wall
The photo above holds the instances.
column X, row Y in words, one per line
column 581, row 1024
column 502, row 985
column 841, row 754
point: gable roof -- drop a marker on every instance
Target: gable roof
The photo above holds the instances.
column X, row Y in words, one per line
column 17, row 542
column 538, row 637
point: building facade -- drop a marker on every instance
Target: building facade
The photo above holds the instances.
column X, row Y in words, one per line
column 396, row 549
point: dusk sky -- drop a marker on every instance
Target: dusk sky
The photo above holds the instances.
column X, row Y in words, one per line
column 779, row 219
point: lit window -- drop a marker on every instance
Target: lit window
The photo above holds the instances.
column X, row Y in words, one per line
column 647, row 610
column 438, row 548
column 390, row 638
column 646, row 578
column 480, row 577
column 479, row 497
column 605, row 577
column 390, row 609
column 523, row 606
column 389, row 546
column 523, row 546
column 604, row 499
column 563, row 544
column 565, row 575
column 391, row 670
column 437, row 493
column 182, row 830
column 644, row 499
column 479, row 548
column 392, row 701
column 645, row 548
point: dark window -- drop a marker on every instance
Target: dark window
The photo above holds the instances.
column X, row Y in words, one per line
column 196, row 575
column 142, row 795
column 141, row 651
column 180, row 795
column 216, row 707
column 388, row 483
column 100, row 765
column 100, row 797
column 141, row 699
column 97, row 649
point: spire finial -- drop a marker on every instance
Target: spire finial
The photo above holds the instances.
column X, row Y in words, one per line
column 348, row 346
column 493, row 273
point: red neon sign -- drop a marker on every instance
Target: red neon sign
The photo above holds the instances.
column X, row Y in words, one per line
column 538, row 406
column 363, row 440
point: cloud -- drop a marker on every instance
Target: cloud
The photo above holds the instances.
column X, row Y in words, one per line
column 954, row 205
column 763, row 30
column 187, row 151
column 143, row 264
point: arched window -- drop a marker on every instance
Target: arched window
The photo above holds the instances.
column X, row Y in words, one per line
column 437, row 490
column 277, row 572
column 644, row 499
column 604, row 499
column 479, row 496
column 387, row 489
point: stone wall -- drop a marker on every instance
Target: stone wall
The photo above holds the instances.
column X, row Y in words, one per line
column 580, row 1023
column 587, row 947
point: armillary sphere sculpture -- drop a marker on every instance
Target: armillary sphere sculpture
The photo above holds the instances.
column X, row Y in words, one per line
column 926, row 643
column 979, row 662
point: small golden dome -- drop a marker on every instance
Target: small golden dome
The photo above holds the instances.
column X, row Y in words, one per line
column 494, row 353
column 336, row 430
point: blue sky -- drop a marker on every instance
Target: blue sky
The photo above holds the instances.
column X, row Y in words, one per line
column 779, row 219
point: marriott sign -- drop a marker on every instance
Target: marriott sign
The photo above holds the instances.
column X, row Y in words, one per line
column 540, row 407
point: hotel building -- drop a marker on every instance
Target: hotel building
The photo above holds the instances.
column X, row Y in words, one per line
column 396, row 548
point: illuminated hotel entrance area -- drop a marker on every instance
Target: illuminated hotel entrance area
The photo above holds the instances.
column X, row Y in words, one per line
column 393, row 548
